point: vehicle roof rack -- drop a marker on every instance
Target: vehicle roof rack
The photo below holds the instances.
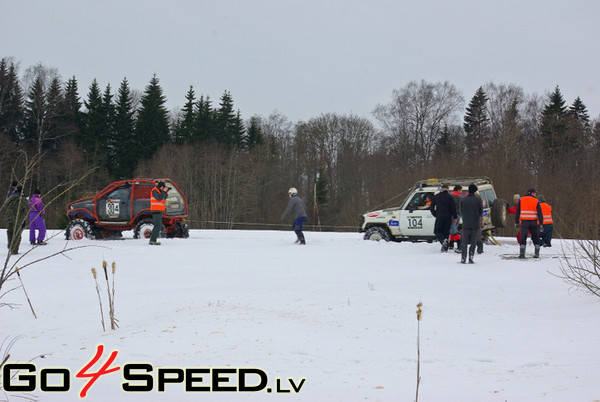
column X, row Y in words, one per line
column 453, row 181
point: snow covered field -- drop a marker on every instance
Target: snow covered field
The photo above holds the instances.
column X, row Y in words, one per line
column 339, row 313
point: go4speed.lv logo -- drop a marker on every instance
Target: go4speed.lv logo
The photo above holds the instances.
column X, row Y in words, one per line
column 143, row 377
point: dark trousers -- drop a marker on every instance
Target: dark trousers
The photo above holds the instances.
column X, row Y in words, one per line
column 546, row 235
column 297, row 226
column 157, row 222
column 529, row 226
column 469, row 236
column 441, row 229
column 13, row 232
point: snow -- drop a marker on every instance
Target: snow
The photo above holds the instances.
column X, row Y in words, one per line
column 338, row 312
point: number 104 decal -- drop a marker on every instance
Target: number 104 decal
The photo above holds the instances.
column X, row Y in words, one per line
column 415, row 222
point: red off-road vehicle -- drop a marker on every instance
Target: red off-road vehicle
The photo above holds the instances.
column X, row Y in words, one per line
column 125, row 205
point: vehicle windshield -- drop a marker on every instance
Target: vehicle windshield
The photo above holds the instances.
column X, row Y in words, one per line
column 487, row 196
column 175, row 203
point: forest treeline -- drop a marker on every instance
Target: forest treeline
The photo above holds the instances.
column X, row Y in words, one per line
column 236, row 172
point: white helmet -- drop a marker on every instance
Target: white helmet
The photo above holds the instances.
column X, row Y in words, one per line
column 293, row 191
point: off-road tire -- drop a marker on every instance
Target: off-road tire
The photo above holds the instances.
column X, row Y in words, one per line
column 499, row 213
column 180, row 230
column 377, row 233
column 79, row 229
column 144, row 228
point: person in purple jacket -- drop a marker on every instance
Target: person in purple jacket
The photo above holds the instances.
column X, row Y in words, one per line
column 36, row 219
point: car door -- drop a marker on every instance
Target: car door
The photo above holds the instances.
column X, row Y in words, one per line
column 416, row 219
column 115, row 206
column 487, row 198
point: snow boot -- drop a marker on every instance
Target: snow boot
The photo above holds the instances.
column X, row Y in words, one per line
column 537, row 251
column 471, row 254
column 463, row 257
column 301, row 238
column 154, row 243
column 445, row 246
column 451, row 245
column 522, row 251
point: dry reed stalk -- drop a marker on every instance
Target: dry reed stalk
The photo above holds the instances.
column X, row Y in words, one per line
column 419, row 314
column 111, row 296
column 99, row 298
column 25, row 291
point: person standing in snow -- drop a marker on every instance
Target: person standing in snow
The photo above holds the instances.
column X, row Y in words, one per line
column 36, row 219
column 15, row 211
column 547, row 226
column 443, row 208
column 529, row 215
column 471, row 207
column 297, row 209
column 13, row 188
column 158, row 197
column 513, row 211
column 454, row 232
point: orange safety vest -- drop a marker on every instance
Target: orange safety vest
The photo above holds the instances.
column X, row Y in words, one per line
column 528, row 208
column 156, row 205
column 547, row 212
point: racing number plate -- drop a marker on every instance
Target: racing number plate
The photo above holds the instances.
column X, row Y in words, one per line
column 415, row 222
column 112, row 208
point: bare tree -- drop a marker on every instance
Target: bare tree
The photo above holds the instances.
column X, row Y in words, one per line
column 580, row 265
column 417, row 115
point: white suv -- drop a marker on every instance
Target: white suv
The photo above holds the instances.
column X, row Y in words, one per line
column 413, row 221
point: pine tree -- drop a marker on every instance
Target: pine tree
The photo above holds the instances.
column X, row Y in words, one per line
column 35, row 114
column 322, row 193
column 110, row 139
column 205, row 121
column 238, row 131
column 229, row 128
column 94, row 121
column 11, row 101
column 152, row 126
column 579, row 112
column 445, row 147
column 556, row 106
column 125, row 159
column 553, row 128
column 54, row 113
column 184, row 130
column 71, row 110
column 476, row 124
column 255, row 136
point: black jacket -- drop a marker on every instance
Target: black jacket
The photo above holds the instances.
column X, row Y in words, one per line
column 472, row 211
column 443, row 206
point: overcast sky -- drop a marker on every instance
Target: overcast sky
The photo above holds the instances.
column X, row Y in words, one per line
column 305, row 58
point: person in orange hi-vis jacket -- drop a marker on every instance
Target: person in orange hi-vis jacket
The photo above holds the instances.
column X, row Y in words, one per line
column 547, row 226
column 529, row 216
